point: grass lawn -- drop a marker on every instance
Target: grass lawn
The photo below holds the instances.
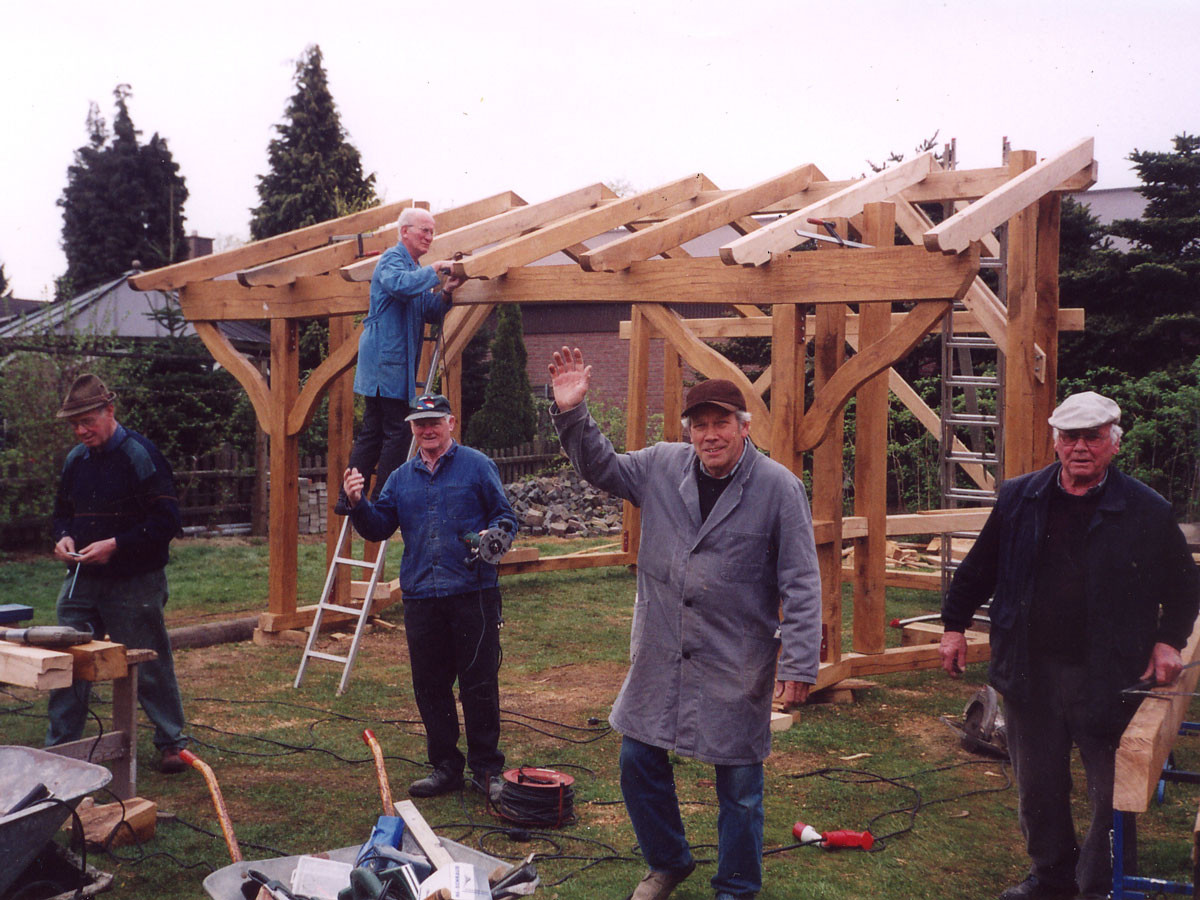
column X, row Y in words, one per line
column 298, row 778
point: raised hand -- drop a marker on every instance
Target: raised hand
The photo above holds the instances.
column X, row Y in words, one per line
column 569, row 377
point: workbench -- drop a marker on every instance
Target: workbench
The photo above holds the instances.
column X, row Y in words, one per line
column 45, row 669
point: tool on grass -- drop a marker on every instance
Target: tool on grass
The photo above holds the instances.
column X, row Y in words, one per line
column 46, row 636
column 385, row 791
column 982, row 729
column 488, row 545
column 503, row 881
column 832, row 840
column 210, row 779
column 258, row 882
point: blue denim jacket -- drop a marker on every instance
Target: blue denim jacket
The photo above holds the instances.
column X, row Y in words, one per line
column 433, row 511
column 402, row 301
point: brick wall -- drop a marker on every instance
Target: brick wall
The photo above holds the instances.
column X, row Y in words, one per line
column 608, row 356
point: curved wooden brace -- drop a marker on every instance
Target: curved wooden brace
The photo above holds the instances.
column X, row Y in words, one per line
column 460, row 329
column 706, row 360
column 870, row 361
column 240, row 368
column 318, row 382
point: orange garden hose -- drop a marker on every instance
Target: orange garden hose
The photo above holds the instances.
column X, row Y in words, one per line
column 218, row 801
column 385, row 792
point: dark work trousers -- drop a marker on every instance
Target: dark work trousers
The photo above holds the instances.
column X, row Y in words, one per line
column 1041, row 731
column 383, row 441
column 457, row 637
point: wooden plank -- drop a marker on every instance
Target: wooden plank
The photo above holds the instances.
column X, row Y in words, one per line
column 1151, row 733
column 956, row 233
column 1045, row 325
column 869, row 626
column 285, row 463
column 34, row 667
column 520, row 555
column 556, row 235
column 708, row 362
column 205, row 267
column 916, row 633
column 495, row 228
column 1020, row 383
column 98, row 661
column 892, row 273
column 780, row 236
column 908, row 659
column 314, row 262
column 568, row 561
column 828, row 401
column 676, row 230
column 429, row 843
column 117, row 824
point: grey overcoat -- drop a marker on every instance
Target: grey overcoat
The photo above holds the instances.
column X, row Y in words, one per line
column 706, row 621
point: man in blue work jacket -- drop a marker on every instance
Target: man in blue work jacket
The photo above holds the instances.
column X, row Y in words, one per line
column 1093, row 589
column 443, row 499
column 404, row 296
column 114, row 517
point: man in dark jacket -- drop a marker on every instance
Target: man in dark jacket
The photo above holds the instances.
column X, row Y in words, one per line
column 1092, row 590
column 114, row 518
column 442, row 495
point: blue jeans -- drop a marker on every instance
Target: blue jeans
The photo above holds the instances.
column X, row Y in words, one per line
column 648, row 786
column 130, row 611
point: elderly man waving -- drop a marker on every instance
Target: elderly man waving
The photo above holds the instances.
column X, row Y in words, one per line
column 727, row 543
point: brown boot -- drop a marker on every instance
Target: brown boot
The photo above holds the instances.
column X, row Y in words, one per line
column 657, row 884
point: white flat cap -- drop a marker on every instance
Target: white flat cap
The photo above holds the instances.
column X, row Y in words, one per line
column 1084, row 410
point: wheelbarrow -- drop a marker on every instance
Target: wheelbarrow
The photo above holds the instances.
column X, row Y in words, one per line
column 34, row 780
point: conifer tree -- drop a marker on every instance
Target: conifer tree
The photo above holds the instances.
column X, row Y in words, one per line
column 507, row 416
column 315, row 172
column 123, row 201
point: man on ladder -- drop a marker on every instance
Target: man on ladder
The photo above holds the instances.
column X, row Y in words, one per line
column 404, row 296
column 456, row 523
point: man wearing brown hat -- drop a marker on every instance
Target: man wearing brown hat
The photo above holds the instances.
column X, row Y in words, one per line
column 114, row 517
column 1092, row 590
column 728, row 607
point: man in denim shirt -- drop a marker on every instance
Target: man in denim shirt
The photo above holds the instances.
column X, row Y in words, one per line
column 451, row 598
column 404, row 296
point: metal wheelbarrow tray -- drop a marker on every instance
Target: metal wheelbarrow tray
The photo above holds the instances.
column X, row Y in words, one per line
column 24, row 833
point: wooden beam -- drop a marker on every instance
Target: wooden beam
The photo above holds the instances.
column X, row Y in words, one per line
column 892, row 273
column 672, row 232
column 636, row 415
column 1020, row 382
column 894, row 659
column 98, row 661
column 672, row 394
column 567, row 561
column 573, row 228
column 992, row 211
column 500, row 227
column 34, row 667
column 869, row 626
column 313, row 296
column 709, row 362
column 314, row 262
column 829, row 400
column 1151, row 733
column 285, row 463
column 787, row 394
column 339, row 438
column 1045, row 325
column 204, row 267
column 247, row 375
column 780, row 236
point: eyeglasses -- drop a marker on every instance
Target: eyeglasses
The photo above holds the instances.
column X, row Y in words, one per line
column 425, row 230
column 1091, row 436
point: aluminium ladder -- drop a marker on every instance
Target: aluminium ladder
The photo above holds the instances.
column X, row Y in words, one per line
column 363, row 613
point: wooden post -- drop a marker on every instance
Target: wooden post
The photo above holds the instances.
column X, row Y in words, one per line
column 787, row 382
column 635, row 417
column 829, row 351
column 1020, row 381
column 672, row 393
column 259, row 519
column 340, row 435
column 870, row 457
column 1046, row 326
column 285, row 466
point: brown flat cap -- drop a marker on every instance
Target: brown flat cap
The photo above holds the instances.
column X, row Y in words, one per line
column 716, row 391
column 87, row 392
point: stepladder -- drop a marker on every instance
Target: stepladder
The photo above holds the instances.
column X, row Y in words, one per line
column 361, row 614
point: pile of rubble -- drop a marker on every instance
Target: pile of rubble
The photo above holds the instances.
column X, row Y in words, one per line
column 564, row 505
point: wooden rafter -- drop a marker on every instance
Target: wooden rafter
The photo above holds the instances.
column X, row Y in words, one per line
column 686, row 226
column 780, row 236
column 503, row 226
column 170, row 277
column 573, row 228
column 1004, row 202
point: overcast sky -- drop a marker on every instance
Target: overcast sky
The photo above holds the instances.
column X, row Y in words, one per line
column 453, row 101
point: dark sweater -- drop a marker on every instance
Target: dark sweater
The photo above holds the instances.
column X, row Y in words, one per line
column 124, row 490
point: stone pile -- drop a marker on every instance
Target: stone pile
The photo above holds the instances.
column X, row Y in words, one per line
column 564, row 505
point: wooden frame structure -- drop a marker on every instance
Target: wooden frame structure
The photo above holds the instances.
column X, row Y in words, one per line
column 835, row 299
